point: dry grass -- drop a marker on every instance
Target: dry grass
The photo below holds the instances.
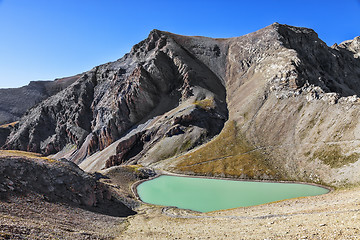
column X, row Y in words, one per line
column 16, row 153
column 229, row 154
column 206, row 104
column 9, row 125
column 133, row 168
column 332, row 155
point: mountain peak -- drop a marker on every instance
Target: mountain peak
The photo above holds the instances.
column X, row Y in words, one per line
column 352, row 46
column 172, row 93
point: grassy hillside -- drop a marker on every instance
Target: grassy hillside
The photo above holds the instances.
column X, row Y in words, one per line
column 228, row 155
column 15, row 153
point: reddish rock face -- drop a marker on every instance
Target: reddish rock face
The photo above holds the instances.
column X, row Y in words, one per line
column 122, row 150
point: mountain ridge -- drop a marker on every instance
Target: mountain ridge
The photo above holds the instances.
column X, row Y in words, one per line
column 16, row 101
column 173, row 93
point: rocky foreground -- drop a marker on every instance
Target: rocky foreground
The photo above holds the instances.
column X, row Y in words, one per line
column 42, row 198
column 34, row 216
column 63, row 202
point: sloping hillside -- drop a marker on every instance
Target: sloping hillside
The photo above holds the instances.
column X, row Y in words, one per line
column 294, row 99
column 41, row 198
column 290, row 102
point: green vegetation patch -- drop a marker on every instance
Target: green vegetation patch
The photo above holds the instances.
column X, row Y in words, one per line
column 206, row 104
column 332, row 155
column 228, row 154
column 133, row 168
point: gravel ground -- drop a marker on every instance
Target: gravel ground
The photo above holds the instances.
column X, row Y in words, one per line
column 332, row 216
column 30, row 217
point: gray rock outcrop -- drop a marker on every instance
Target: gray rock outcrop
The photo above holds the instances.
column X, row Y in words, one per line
column 14, row 102
column 157, row 76
column 60, row 181
column 4, row 133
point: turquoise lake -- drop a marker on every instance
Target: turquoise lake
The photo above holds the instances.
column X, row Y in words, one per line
column 205, row 195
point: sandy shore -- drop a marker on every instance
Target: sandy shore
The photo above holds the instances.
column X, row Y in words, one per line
column 331, row 216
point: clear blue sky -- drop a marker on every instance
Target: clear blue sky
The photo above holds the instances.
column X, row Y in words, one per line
column 47, row 39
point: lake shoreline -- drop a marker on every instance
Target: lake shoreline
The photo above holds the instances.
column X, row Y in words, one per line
column 166, row 173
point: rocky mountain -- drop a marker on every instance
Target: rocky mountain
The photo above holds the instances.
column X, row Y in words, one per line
column 138, row 89
column 56, row 181
column 15, row 102
column 352, row 46
column 277, row 103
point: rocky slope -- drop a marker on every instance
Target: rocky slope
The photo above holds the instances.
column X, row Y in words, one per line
column 158, row 84
column 290, row 100
column 56, row 181
column 41, row 198
column 293, row 101
column 4, row 133
column 14, row 102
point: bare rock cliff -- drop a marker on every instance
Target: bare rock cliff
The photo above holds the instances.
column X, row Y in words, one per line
column 15, row 102
column 157, row 76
